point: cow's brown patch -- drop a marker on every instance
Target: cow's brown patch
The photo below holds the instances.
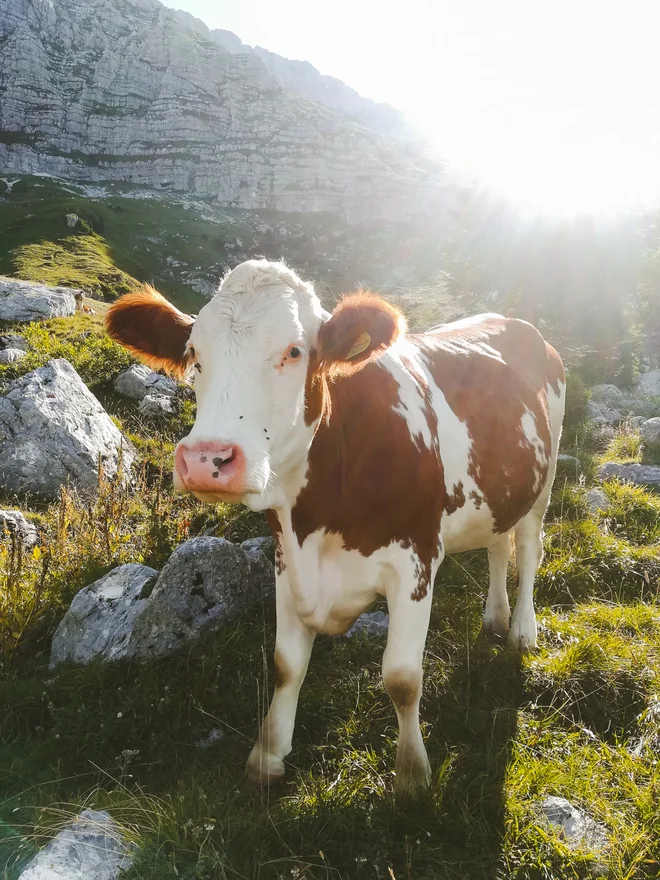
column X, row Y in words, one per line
column 148, row 325
column 476, row 497
column 491, row 397
column 404, row 690
column 367, row 480
column 281, row 670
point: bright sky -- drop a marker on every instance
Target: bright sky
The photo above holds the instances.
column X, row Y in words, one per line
column 553, row 102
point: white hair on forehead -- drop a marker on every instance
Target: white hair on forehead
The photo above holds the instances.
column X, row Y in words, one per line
column 255, row 275
column 267, row 277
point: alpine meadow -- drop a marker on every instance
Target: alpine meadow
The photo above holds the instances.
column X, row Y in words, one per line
column 226, row 432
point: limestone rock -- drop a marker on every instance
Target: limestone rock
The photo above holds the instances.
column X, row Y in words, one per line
column 640, row 474
column 16, row 524
column 135, row 91
column 24, row 301
column 53, row 432
column 650, row 434
column 100, row 620
column 92, row 847
column 575, row 827
column 648, row 384
column 206, row 583
column 14, row 341
column 139, row 380
column 373, row 623
column 597, row 501
column 11, row 355
column 609, row 394
column 156, row 405
column 601, row 412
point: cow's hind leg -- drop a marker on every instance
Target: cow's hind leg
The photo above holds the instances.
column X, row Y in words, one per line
column 497, row 612
column 410, row 611
column 529, row 553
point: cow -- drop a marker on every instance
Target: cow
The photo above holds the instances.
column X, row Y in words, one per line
column 375, row 453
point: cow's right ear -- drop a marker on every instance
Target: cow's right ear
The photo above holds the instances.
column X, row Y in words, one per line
column 151, row 328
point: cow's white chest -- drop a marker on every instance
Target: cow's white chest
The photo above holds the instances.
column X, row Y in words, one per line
column 336, row 585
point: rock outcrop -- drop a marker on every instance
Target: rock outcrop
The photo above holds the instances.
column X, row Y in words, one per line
column 53, row 431
column 26, row 301
column 92, row 847
column 139, row 380
column 15, row 523
column 641, row 474
column 135, row 612
column 575, row 827
column 130, row 91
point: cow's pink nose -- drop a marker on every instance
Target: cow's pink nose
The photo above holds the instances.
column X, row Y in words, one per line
column 206, row 466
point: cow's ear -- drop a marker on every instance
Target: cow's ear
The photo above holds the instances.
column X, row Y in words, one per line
column 151, row 328
column 361, row 328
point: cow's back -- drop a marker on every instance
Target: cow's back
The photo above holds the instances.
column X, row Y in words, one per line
column 500, row 385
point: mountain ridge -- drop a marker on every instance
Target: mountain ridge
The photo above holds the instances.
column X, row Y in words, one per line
column 123, row 90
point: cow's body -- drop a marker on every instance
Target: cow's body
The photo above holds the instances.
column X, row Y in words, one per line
column 440, row 446
column 438, row 443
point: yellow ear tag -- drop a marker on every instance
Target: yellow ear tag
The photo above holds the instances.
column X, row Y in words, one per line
column 361, row 343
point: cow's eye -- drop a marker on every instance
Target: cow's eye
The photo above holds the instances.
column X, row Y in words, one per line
column 198, row 367
column 294, row 352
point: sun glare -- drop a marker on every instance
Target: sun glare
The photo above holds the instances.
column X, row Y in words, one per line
column 564, row 181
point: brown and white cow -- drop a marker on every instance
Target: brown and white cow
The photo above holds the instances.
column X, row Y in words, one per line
column 375, row 452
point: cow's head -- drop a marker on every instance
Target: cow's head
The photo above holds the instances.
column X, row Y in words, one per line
column 261, row 353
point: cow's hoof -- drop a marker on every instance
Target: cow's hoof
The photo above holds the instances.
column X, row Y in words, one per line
column 522, row 637
column 497, row 629
column 263, row 769
column 414, row 783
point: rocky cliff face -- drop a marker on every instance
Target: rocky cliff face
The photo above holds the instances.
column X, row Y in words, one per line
column 131, row 90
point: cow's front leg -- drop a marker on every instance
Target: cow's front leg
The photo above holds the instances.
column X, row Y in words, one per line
column 409, row 610
column 293, row 646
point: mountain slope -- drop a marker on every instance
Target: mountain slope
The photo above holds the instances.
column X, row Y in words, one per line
column 123, row 90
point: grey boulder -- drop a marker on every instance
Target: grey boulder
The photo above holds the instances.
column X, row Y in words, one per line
column 100, row 620
column 92, row 847
column 205, row 584
column 641, row 474
column 372, row 623
column 13, row 340
column 601, row 412
column 597, row 501
column 24, row 301
column 139, row 380
column 53, row 431
column 156, row 405
column 11, row 355
column 573, row 826
column 650, row 434
column 607, row 394
column 16, row 524
column 648, row 384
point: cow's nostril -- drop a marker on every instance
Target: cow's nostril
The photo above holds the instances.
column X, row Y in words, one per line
column 226, row 457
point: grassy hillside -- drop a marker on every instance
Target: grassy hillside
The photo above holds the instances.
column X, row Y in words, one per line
column 184, row 245
column 580, row 718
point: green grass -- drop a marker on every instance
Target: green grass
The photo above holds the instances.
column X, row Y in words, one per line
column 580, row 718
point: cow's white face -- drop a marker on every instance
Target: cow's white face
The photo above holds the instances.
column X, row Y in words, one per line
column 249, row 353
column 261, row 352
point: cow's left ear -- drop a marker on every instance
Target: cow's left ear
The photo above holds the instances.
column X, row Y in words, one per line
column 361, row 328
